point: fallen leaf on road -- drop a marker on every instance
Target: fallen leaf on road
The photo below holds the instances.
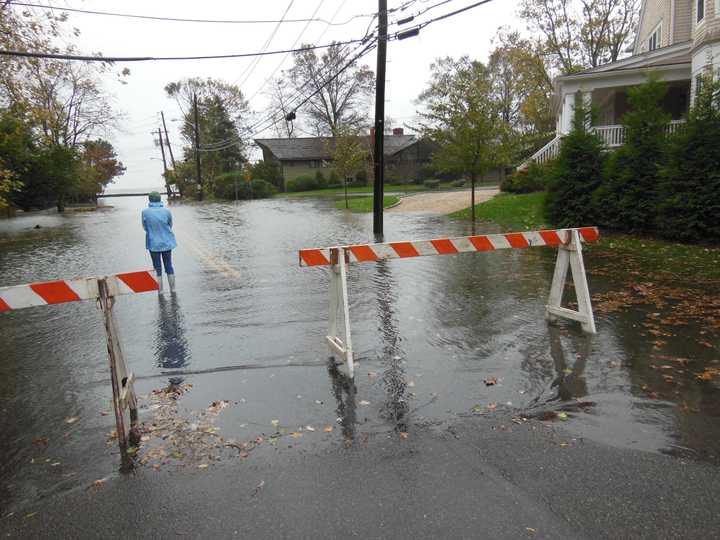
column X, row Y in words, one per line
column 363, row 402
column 31, row 514
column 258, row 488
column 562, row 416
column 530, row 530
column 275, row 423
column 203, row 466
column 328, row 429
column 310, row 428
column 296, row 434
column 41, row 441
column 492, row 406
column 99, row 483
column 72, row 419
column 492, row 381
column 403, row 435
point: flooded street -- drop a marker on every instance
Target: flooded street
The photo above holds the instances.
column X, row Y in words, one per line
column 248, row 326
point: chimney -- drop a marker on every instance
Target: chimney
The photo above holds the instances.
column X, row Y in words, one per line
column 398, row 132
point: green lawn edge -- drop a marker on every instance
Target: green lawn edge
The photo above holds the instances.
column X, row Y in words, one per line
column 522, row 212
column 365, row 204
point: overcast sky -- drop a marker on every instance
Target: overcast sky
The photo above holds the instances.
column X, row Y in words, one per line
column 407, row 72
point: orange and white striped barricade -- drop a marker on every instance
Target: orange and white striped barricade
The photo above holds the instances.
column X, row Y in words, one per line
column 103, row 290
column 568, row 241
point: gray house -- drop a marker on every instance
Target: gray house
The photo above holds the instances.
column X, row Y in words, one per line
column 404, row 154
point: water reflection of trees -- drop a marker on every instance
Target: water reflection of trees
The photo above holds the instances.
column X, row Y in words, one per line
column 395, row 407
column 171, row 345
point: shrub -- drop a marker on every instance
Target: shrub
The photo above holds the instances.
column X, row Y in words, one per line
column 361, row 179
column 577, row 174
column 303, row 183
column 320, row 179
column 262, row 189
column 458, row 183
column 689, row 189
column 628, row 198
column 225, row 184
column 534, row 178
column 431, row 184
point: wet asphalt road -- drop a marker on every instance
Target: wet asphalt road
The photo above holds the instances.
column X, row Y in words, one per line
column 248, row 325
column 480, row 478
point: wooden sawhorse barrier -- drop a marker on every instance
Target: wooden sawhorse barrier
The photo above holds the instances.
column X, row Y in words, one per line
column 103, row 290
column 568, row 241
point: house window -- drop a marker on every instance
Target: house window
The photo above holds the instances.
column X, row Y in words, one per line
column 700, row 10
column 654, row 39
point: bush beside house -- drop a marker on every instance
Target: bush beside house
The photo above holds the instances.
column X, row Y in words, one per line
column 668, row 186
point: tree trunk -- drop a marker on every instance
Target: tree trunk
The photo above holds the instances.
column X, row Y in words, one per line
column 472, row 197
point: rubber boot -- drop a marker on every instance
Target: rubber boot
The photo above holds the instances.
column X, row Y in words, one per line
column 171, row 282
column 160, row 283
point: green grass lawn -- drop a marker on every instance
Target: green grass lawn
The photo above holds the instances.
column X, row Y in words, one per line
column 521, row 212
column 365, row 204
column 399, row 188
column 624, row 252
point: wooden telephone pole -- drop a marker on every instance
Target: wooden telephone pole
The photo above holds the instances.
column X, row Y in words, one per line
column 379, row 156
column 167, row 140
column 165, row 169
column 197, row 150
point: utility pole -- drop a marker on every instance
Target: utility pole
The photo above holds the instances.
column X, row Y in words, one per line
column 198, row 175
column 167, row 140
column 379, row 156
column 165, row 175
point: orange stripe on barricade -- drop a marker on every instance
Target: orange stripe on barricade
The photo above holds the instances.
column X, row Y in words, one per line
column 313, row 257
column 481, row 243
column 589, row 234
column 139, row 281
column 55, row 292
column 3, row 306
column 404, row 249
column 517, row 240
column 449, row 246
column 444, row 247
column 363, row 253
column 551, row 238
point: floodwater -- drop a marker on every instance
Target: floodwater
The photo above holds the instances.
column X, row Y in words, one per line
column 248, row 325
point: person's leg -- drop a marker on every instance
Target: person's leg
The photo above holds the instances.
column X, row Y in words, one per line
column 169, row 270
column 157, row 265
column 167, row 262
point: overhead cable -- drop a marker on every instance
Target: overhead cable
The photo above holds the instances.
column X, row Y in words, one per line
column 179, row 19
column 86, row 58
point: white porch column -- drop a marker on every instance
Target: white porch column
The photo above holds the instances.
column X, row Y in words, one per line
column 566, row 116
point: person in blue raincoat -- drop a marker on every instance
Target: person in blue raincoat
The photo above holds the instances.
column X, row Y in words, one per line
column 159, row 238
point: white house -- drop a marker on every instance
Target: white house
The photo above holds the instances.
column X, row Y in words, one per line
column 678, row 40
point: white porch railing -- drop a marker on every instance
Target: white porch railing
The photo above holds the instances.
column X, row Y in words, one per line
column 613, row 136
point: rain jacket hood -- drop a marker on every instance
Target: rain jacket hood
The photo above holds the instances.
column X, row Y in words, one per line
column 157, row 222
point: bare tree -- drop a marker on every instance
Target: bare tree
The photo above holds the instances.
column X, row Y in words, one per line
column 580, row 34
column 280, row 107
column 337, row 96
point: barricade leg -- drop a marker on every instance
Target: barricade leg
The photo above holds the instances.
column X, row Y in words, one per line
column 124, row 398
column 570, row 256
column 341, row 346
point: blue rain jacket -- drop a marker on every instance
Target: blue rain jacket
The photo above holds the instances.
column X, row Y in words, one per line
column 157, row 222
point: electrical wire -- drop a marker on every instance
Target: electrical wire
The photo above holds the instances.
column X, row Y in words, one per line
column 178, row 19
column 109, row 59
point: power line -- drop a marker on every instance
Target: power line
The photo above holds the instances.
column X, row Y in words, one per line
column 84, row 58
column 251, row 67
column 286, row 56
column 179, row 19
column 412, row 31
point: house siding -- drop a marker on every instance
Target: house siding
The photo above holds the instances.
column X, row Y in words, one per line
column 683, row 20
column 708, row 30
column 655, row 12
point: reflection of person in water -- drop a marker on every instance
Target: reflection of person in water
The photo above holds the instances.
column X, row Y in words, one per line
column 345, row 391
column 569, row 381
column 171, row 347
